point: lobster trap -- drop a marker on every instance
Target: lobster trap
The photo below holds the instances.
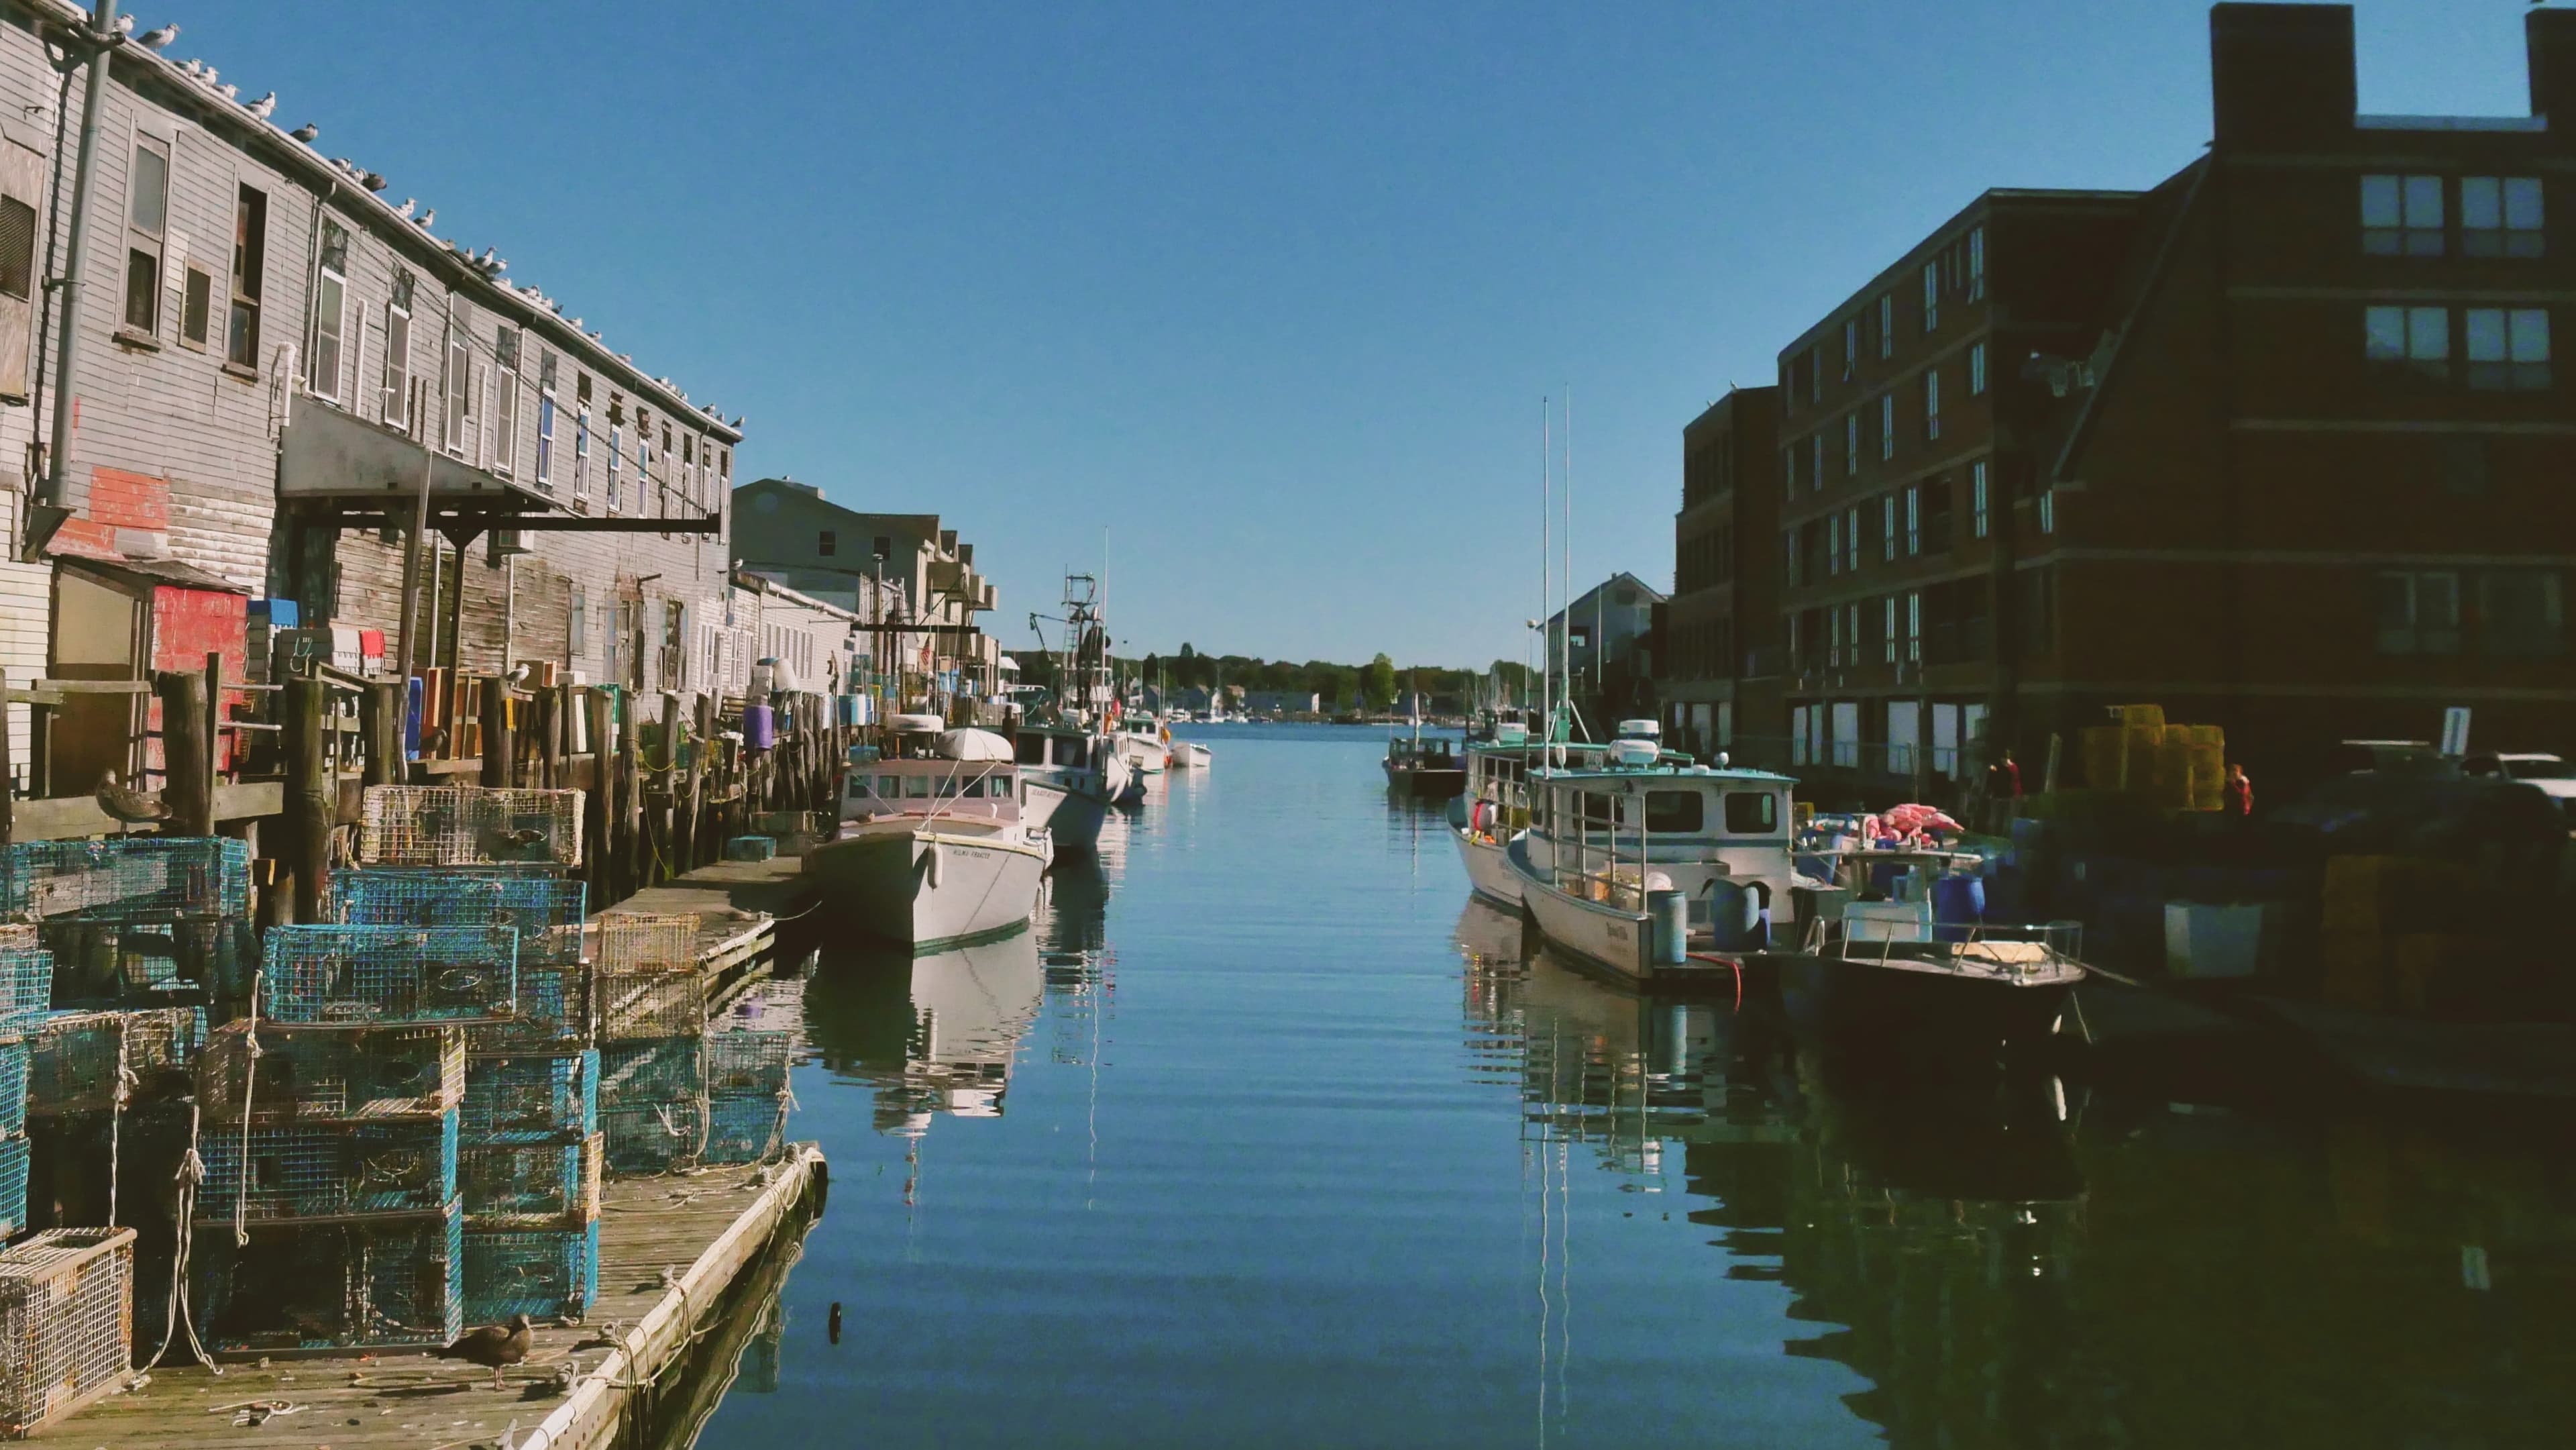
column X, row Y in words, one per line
column 747, row 1064
column 330, row 1074
column 544, row 908
column 126, row 876
column 300, row 1172
column 531, row 1184
column 148, row 957
column 13, row 1183
column 542, row 1273
column 530, row 1098
column 91, row 1062
column 645, row 1138
column 744, row 1129
column 649, row 1004
column 13, row 1084
column 447, row 825
column 647, row 1072
column 365, row 1285
column 356, row 975
column 66, row 1323
column 634, row 940
column 26, row 987
column 550, row 1013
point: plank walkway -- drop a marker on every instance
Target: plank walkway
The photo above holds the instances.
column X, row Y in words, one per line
column 700, row 1231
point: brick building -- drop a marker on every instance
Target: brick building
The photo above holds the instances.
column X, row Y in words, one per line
column 2275, row 444
column 1724, row 565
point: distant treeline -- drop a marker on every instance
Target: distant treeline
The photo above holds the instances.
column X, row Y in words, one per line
column 1372, row 686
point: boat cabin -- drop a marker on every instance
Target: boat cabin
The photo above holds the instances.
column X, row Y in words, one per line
column 926, row 788
column 1609, row 833
column 1066, row 746
column 1437, row 753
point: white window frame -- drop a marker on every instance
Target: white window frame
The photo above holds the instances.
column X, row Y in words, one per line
column 1851, row 540
column 1816, row 475
column 1977, row 264
column 1888, row 635
column 1833, row 544
column 1913, row 519
column 152, row 241
column 507, row 344
column 1976, row 370
column 1914, row 626
column 2048, row 510
column 546, row 409
column 1886, row 325
column 1851, row 443
column 1851, row 347
column 1887, row 527
column 616, row 456
column 330, row 316
column 455, row 384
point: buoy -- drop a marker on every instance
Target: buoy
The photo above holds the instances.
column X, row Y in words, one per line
column 931, row 855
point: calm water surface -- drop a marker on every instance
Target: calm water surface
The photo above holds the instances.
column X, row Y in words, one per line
column 1267, row 1136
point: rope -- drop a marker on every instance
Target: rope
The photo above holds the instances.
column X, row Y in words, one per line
column 250, row 1078
column 192, row 1172
column 125, row 1080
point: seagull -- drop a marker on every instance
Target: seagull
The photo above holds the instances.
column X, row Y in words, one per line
column 518, row 674
column 193, row 69
column 408, row 203
column 493, row 1346
column 227, row 90
column 264, row 107
column 206, row 76
column 158, row 38
column 125, row 25
column 127, row 806
column 425, row 218
column 306, row 133
column 372, row 181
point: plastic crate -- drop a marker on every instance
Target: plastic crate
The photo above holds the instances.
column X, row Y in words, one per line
column 530, row 1098
column 13, row 1084
column 545, row 908
column 417, row 825
column 26, row 987
column 359, row 1285
column 652, row 1137
column 304, row 1172
column 362, row 975
column 530, row 1184
column 750, row 848
column 744, row 1129
column 85, row 1062
column 66, row 1323
column 551, row 1013
column 148, row 958
column 123, row 875
column 13, row 1184
column 542, row 1273
column 331, row 1074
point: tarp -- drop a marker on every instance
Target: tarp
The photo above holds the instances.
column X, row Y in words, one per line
column 974, row 745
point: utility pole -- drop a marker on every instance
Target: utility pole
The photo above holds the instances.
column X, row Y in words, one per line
column 46, row 513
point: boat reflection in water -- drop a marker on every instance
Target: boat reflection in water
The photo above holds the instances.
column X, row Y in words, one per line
column 2008, row 1263
column 936, row 1033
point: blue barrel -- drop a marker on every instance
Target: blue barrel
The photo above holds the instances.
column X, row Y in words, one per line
column 1958, row 902
column 1737, row 911
column 1886, row 878
column 759, row 727
column 412, row 697
column 1668, row 922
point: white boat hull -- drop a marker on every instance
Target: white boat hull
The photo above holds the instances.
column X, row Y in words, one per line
column 1489, row 868
column 1071, row 816
column 930, row 889
column 1601, row 933
column 1143, row 755
column 1189, row 754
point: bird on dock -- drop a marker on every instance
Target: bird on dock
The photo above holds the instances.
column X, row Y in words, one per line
column 492, row 1346
column 519, row 673
column 128, row 806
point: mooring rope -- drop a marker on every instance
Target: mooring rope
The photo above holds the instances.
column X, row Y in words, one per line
column 192, row 1173
column 250, row 1079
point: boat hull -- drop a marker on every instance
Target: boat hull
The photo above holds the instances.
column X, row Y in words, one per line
column 1489, row 869
column 1071, row 816
column 1189, row 755
column 1606, row 936
column 1919, row 1012
column 1433, row 783
column 1143, row 755
column 929, row 890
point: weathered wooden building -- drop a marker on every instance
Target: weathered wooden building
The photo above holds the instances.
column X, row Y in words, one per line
column 278, row 365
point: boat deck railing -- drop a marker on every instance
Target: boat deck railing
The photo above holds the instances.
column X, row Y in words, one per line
column 2027, row 949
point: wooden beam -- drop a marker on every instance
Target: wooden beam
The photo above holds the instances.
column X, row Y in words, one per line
column 71, row 817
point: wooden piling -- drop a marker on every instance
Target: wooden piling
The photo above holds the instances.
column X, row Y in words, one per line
column 8, row 774
column 630, row 794
column 498, row 758
column 214, row 730
column 380, row 735
column 603, row 797
column 701, row 745
column 185, row 786
column 310, row 793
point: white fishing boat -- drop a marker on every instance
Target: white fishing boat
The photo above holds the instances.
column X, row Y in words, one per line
column 1145, row 742
column 933, row 850
column 1190, row 755
column 1070, row 777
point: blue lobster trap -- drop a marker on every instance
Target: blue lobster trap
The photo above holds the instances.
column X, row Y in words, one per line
column 531, row 1098
column 530, row 1184
column 545, row 909
column 384, row 1284
column 13, row 1184
column 125, row 876
column 90, row 1062
column 13, row 1085
column 744, row 1129
column 149, row 958
column 331, row 1074
column 26, row 987
column 551, row 1014
column 376, row 975
column 646, row 1137
column 743, row 1063
column 306, row 1172
column 542, row 1273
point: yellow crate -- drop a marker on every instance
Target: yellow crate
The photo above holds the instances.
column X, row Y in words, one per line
column 2354, row 968
column 2139, row 715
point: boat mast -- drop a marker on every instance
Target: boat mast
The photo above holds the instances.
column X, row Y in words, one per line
column 1565, row 572
column 1546, row 649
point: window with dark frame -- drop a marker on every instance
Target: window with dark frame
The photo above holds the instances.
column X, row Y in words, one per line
column 249, row 263
column 196, row 307
column 147, row 221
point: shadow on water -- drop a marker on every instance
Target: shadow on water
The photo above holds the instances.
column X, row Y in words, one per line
column 2010, row 1263
column 738, row 1354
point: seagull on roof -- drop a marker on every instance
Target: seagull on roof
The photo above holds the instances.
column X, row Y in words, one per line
column 306, row 133
column 264, row 107
column 193, row 68
column 125, row 25
column 372, row 181
column 157, row 38
column 227, row 90
column 425, row 218
column 408, row 203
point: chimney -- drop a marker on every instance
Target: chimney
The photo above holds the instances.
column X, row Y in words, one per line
column 2280, row 74
column 2549, row 40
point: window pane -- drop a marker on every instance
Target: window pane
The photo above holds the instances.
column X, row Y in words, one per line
column 1673, row 810
column 1753, row 813
column 2485, row 327
column 2481, row 203
column 2428, row 334
column 150, row 206
column 2522, row 209
column 2423, row 201
column 2379, row 201
column 2530, row 340
column 142, row 290
column 2437, row 601
column 192, row 314
column 2385, row 331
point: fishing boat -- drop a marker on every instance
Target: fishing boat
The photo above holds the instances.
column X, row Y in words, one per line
column 1190, row 755
column 1664, row 874
column 1495, row 801
column 932, row 850
column 1420, row 767
column 1145, row 742
column 1070, row 776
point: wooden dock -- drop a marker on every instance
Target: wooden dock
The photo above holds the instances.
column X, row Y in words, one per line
column 670, row 1248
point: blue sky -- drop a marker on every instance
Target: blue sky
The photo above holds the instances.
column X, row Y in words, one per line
column 1270, row 293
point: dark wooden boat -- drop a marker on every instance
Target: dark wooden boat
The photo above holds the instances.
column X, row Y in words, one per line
column 1970, row 1000
column 1431, row 768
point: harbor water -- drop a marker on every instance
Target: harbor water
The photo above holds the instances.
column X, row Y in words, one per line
column 1267, row 1136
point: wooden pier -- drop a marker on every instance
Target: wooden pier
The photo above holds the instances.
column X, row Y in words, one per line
column 670, row 1248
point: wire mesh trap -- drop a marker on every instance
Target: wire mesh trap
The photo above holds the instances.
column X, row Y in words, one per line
column 66, row 1323
column 125, row 876
column 418, row 825
column 544, row 908
column 551, row 1013
column 26, row 987
column 329, row 1074
column 649, row 1004
column 530, row 1098
column 537, row 1272
column 13, row 1084
column 743, row 1064
column 635, row 1073
column 743, row 1129
column 13, row 1184
column 633, row 940
column 91, row 1061
column 343, row 1286
column 648, row 1137
column 148, row 958
column 534, row 1184
column 303, row 1171
column 354, row 975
